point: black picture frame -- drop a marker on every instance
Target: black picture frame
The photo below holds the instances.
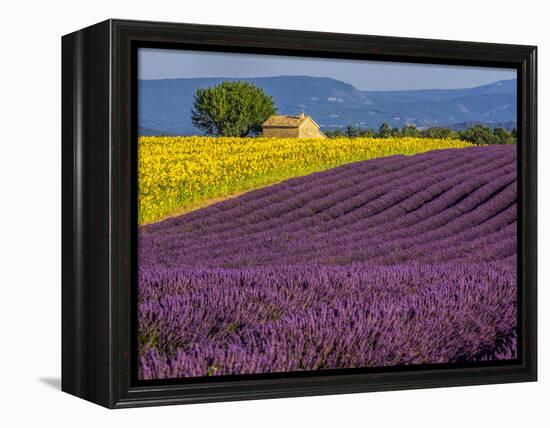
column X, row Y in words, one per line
column 99, row 224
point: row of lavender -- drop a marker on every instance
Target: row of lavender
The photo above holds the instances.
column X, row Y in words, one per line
column 399, row 260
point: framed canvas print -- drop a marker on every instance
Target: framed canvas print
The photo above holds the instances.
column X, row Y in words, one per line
column 253, row 213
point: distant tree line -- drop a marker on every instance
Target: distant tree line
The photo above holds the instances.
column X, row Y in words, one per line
column 476, row 134
column 238, row 109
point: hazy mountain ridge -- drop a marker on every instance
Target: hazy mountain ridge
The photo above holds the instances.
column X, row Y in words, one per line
column 165, row 105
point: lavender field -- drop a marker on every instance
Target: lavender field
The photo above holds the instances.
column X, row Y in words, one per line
column 401, row 260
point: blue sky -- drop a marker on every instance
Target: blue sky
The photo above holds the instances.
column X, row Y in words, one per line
column 364, row 75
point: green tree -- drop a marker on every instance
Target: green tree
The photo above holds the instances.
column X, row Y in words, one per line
column 410, row 131
column 334, row 134
column 479, row 134
column 438, row 132
column 367, row 133
column 384, row 131
column 504, row 136
column 231, row 109
column 396, row 132
column 352, row 132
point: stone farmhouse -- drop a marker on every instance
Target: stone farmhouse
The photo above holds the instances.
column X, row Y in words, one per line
column 300, row 126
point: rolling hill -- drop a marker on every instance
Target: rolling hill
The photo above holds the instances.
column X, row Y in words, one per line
column 165, row 105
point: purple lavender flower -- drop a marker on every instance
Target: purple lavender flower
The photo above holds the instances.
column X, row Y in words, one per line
column 392, row 261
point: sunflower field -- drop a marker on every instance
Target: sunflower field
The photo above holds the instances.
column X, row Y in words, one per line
column 180, row 174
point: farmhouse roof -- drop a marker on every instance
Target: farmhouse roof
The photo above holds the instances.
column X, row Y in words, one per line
column 287, row 121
